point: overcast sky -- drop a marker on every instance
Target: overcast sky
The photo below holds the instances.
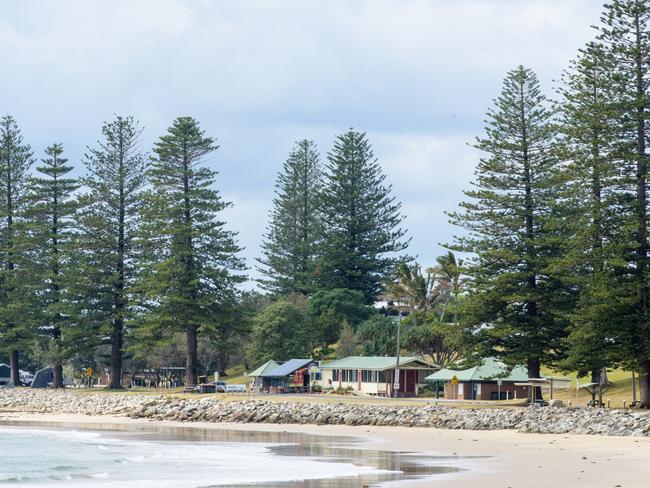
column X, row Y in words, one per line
column 417, row 76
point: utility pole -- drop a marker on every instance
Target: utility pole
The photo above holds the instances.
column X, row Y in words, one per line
column 396, row 376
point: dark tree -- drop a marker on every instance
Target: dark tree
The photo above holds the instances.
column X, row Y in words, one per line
column 290, row 247
column 625, row 37
column 362, row 220
column 52, row 242
column 378, row 335
column 108, row 223
column 279, row 333
column 514, row 305
column 330, row 309
column 15, row 161
column 190, row 267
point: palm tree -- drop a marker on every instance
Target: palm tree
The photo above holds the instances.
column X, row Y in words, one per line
column 450, row 271
column 413, row 289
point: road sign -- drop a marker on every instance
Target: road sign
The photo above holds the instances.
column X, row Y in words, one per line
column 499, row 382
column 454, row 380
column 89, row 372
column 396, row 386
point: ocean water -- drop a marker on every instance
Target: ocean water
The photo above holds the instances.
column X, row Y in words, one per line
column 46, row 457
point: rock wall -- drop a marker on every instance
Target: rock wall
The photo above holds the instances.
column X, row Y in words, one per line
column 206, row 409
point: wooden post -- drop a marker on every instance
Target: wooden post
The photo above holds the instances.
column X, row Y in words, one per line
column 551, row 398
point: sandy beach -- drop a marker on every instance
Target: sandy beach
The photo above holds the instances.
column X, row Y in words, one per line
column 497, row 459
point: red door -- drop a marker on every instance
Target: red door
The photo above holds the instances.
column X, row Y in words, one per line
column 408, row 379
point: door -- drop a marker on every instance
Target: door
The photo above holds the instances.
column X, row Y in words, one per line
column 411, row 380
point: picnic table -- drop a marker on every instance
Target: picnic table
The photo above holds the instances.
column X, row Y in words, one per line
column 595, row 390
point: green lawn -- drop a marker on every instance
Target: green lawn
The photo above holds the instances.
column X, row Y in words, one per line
column 620, row 389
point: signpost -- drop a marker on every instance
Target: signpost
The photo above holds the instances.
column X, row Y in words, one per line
column 499, row 381
column 88, row 373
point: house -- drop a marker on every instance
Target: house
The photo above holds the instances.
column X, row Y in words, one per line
column 257, row 374
column 374, row 375
column 5, row 374
column 290, row 377
column 489, row 381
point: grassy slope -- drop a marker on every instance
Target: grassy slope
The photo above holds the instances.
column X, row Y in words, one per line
column 621, row 388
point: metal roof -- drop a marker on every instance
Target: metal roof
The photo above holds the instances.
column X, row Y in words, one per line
column 287, row 368
column 491, row 369
column 265, row 368
column 379, row 363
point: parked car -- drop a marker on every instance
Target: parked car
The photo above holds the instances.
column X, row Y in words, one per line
column 220, row 386
column 26, row 378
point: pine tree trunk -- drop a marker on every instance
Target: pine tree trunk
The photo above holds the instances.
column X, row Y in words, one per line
column 644, row 384
column 118, row 287
column 116, row 356
column 534, row 371
column 57, row 380
column 15, row 368
column 191, row 364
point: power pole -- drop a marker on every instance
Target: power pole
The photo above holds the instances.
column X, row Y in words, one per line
column 396, row 376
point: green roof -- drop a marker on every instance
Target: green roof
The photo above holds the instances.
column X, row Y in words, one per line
column 265, row 368
column 379, row 363
column 491, row 369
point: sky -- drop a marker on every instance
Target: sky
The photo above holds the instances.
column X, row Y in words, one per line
column 417, row 76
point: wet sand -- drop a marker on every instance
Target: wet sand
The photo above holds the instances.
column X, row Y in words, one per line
column 490, row 459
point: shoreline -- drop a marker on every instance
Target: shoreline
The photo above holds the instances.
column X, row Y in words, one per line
column 493, row 458
column 304, row 410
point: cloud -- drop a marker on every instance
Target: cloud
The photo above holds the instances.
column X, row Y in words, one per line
column 417, row 75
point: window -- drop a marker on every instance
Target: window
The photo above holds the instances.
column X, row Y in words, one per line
column 335, row 375
column 382, row 376
column 344, row 374
column 368, row 376
column 352, row 375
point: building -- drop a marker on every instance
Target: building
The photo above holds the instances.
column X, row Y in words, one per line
column 5, row 374
column 290, row 377
column 257, row 374
column 374, row 375
column 489, row 381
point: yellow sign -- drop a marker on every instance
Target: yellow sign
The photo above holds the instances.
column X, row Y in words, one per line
column 89, row 372
column 454, row 380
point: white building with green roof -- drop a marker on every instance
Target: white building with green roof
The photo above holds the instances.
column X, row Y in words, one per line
column 375, row 375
